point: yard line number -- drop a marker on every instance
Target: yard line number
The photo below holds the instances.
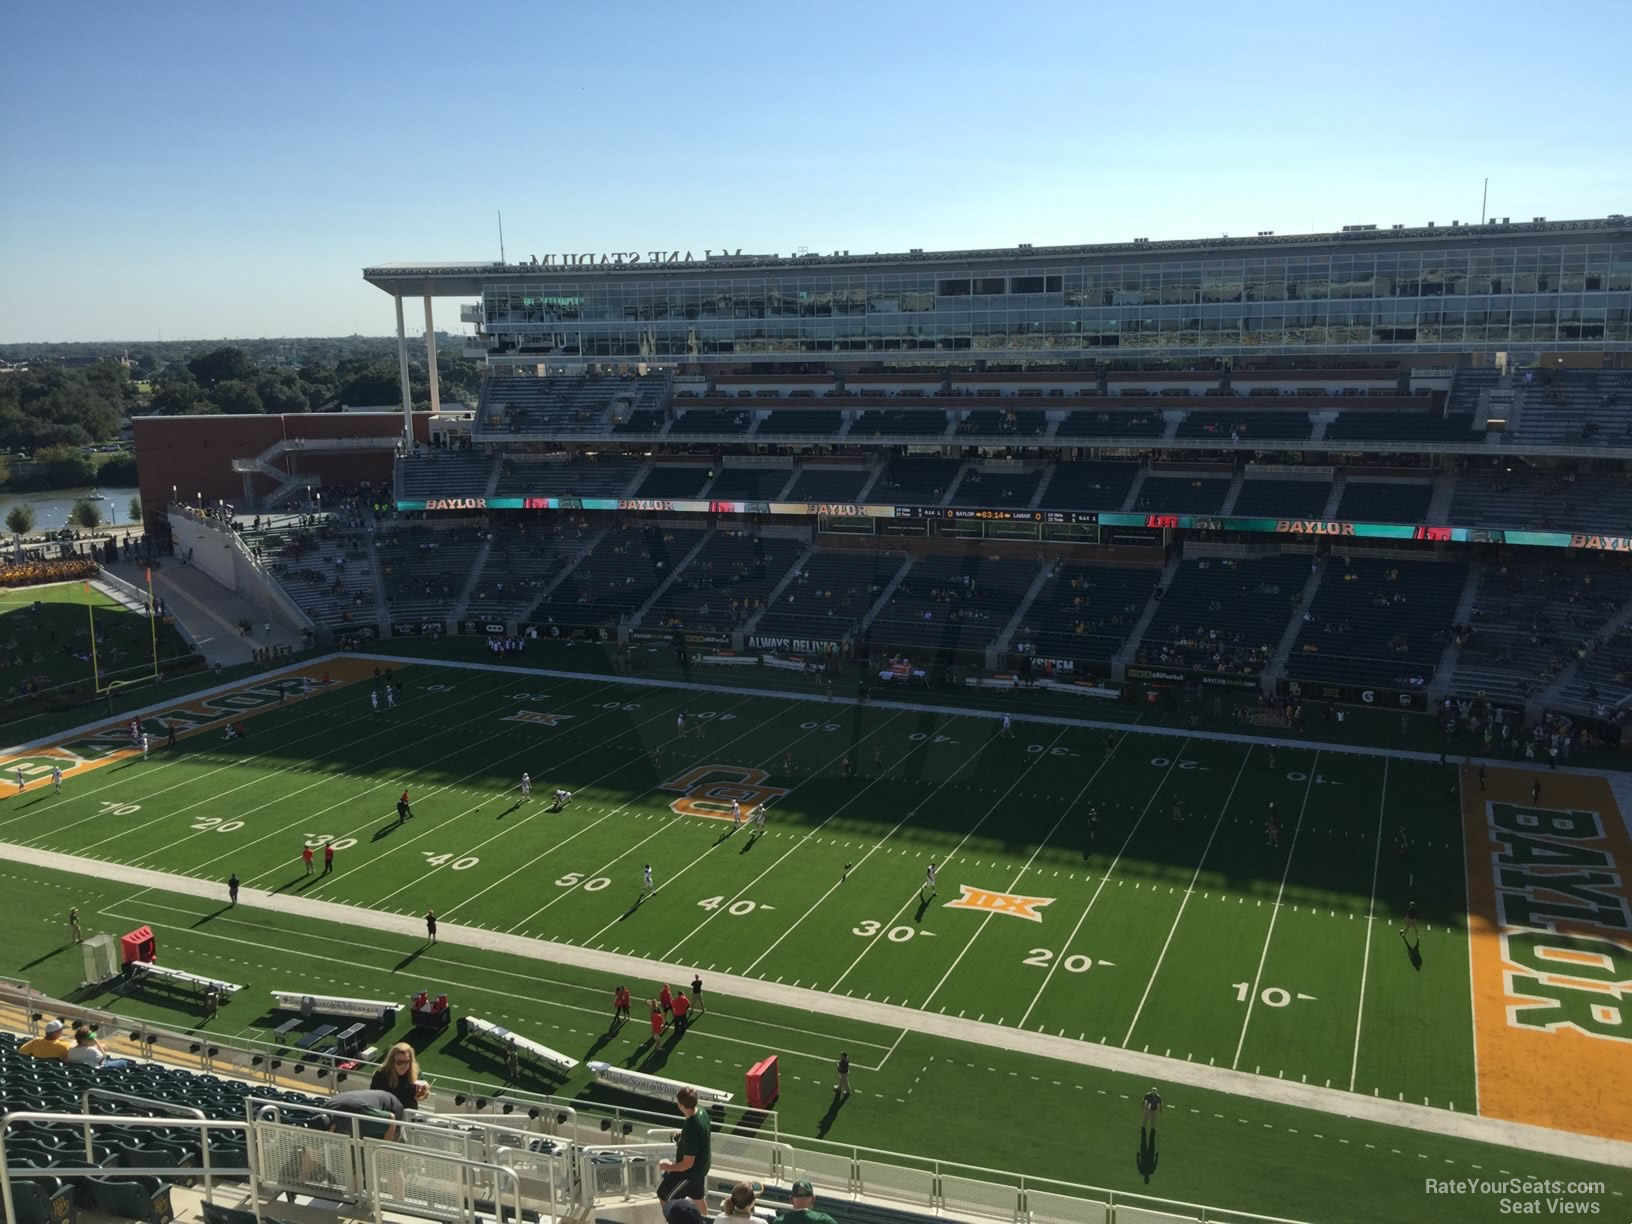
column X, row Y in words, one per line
column 737, row 909
column 574, row 878
column 215, row 824
column 445, row 860
column 318, row 840
column 116, row 808
column 1042, row 957
column 869, row 928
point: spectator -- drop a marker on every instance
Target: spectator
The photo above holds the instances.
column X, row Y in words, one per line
column 399, row 1075
column 90, row 1052
column 381, row 1111
column 740, row 1204
column 682, row 1010
column 51, row 1044
column 802, row 1211
column 686, row 1176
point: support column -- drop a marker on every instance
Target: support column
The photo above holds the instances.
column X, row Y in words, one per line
column 430, row 359
column 402, row 376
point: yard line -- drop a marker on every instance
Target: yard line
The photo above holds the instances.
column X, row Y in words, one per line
column 952, row 854
column 609, row 813
column 1217, row 824
column 431, row 830
column 1015, row 883
column 667, row 824
column 1371, row 912
column 259, row 780
column 283, row 830
column 1467, row 908
column 1054, row 961
column 1291, row 853
column 913, row 811
column 327, row 716
column 840, row 755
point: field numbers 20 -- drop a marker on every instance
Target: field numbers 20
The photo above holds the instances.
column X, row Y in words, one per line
column 573, row 878
column 1042, row 957
column 1164, row 762
column 214, row 824
column 869, row 928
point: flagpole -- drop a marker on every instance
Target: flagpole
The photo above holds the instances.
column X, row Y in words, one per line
column 153, row 618
column 96, row 675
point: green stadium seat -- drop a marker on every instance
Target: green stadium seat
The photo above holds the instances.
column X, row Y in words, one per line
column 133, row 1198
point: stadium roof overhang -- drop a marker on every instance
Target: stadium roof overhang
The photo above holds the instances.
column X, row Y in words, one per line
column 422, row 278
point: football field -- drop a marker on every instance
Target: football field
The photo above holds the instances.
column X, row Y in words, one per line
column 1117, row 887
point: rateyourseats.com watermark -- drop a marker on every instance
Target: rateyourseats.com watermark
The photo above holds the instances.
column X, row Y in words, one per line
column 1519, row 1196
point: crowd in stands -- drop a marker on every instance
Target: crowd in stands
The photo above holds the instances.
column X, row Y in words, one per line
column 38, row 571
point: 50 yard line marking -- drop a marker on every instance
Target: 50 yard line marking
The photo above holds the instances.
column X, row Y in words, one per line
column 1291, row 853
column 1217, row 824
column 1371, row 913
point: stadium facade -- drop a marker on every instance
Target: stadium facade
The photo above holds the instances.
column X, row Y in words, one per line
column 1499, row 288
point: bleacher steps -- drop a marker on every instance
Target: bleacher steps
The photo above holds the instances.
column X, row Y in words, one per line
column 382, row 614
column 793, row 477
column 1001, row 646
column 1322, row 421
column 462, row 603
column 493, row 478
column 1175, row 418
column 878, row 470
column 1439, row 505
column 1234, row 494
column 589, row 546
column 951, row 489
column 657, row 593
column 776, row 591
column 1336, row 496
column 1276, row 668
column 886, row 594
column 1130, row 648
column 1132, row 499
column 644, row 471
column 1042, row 487
column 1553, row 695
column 1446, row 669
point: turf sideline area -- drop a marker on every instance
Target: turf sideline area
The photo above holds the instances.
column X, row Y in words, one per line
column 1306, row 1096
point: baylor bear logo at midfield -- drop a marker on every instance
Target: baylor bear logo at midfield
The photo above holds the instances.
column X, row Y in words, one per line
column 707, row 790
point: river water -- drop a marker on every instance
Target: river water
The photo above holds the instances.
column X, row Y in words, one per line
column 51, row 508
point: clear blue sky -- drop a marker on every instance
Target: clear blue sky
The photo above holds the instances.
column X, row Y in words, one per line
column 208, row 170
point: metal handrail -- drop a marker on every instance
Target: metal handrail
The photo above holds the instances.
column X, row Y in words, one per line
column 203, row 1125
column 373, row 1147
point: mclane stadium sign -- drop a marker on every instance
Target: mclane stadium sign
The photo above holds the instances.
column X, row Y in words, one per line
column 565, row 259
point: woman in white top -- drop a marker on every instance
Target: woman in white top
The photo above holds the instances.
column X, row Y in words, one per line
column 741, row 1205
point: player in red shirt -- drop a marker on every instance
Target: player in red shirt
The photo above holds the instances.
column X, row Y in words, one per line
column 657, row 1022
column 306, row 857
column 665, row 998
column 328, row 857
column 682, row 1006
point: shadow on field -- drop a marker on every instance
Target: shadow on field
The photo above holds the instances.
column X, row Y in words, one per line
column 40, row 960
column 212, row 916
column 385, row 830
column 825, row 1124
column 1414, row 952
column 409, row 959
column 1146, row 1163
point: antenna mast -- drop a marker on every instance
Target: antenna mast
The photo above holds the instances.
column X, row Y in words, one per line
column 501, row 235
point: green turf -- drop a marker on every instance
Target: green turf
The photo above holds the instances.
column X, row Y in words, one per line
column 1158, row 933
column 45, row 636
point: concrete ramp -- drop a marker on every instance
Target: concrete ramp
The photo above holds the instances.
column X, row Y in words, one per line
column 211, row 612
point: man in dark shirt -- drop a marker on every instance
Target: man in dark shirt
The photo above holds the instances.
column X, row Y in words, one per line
column 686, row 1176
column 804, row 1211
column 379, row 1111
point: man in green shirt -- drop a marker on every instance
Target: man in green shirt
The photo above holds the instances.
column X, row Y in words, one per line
column 686, row 1176
column 802, row 1211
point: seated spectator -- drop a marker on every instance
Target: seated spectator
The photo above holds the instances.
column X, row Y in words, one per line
column 741, row 1205
column 90, row 1052
column 51, row 1044
column 803, row 1211
column 399, row 1075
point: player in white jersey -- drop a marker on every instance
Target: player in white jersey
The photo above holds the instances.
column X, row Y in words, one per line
column 526, row 786
column 759, row 816
column 144, row 745
column 736, row 813
column 680, row 725
column 562, row 798
column 1008, row 728
column 929, row 883
column 374, row 699
column 390, row 697
column 306, row 686
column 56, row 778
column 646, row 886
column 20, row 782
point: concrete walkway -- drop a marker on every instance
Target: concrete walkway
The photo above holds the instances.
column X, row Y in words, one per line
column 210, row 612
column 1063, row 1049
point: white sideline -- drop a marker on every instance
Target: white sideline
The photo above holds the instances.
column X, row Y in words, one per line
column 1335, row 1101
